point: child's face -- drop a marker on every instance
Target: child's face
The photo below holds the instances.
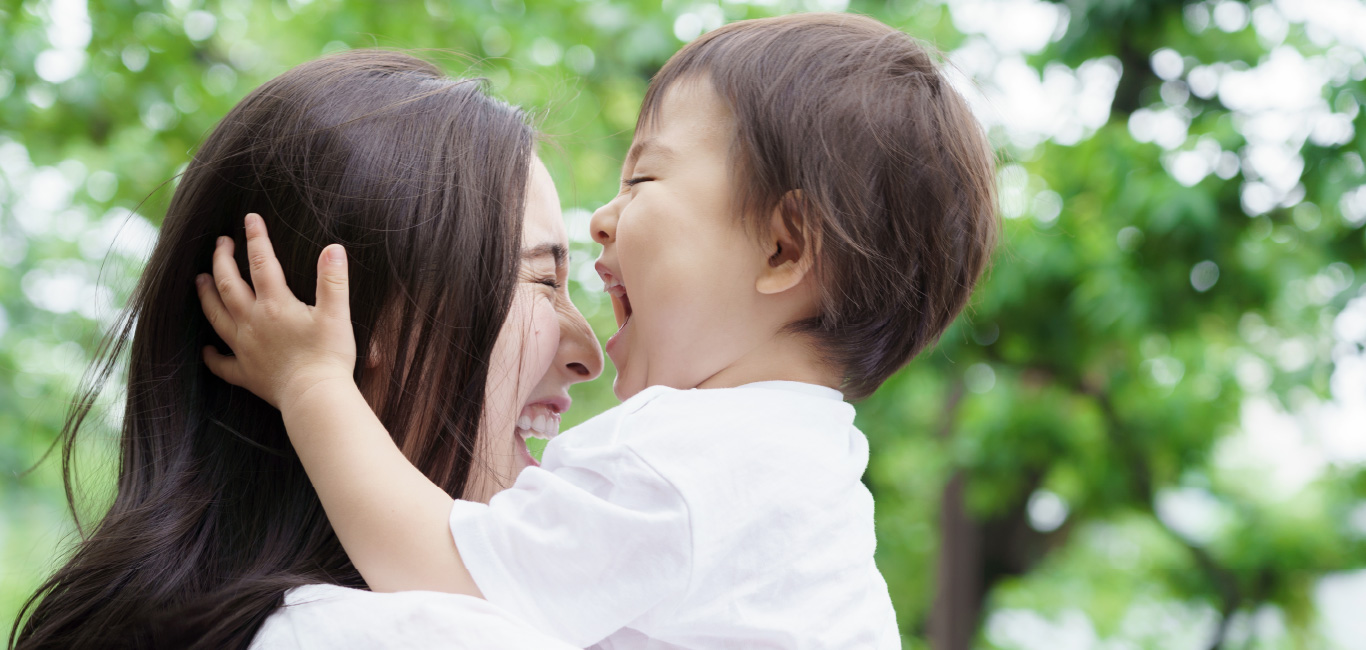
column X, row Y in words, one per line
column 544, row 346
column 679, row 265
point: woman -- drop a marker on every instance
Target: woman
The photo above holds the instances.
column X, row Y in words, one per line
column 425, row 181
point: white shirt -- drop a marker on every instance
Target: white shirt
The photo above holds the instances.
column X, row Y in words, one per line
column 328, row 617
column 717, row 518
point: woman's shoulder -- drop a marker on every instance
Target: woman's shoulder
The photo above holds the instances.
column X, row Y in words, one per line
column 329, row 616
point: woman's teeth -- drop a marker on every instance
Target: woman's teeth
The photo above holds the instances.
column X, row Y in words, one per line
column 542, row 425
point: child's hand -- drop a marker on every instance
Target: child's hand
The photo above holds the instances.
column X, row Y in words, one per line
column 283, row 347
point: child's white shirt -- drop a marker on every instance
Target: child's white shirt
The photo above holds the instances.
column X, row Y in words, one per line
column 716, row 518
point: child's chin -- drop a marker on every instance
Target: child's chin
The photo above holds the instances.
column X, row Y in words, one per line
column 624, row 387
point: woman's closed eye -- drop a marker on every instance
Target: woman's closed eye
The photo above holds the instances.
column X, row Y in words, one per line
column 552, row 282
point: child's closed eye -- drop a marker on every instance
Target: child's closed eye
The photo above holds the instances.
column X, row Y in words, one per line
column 632, row 182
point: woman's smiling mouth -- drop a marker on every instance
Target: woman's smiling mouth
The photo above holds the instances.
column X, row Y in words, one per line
column 539, row 420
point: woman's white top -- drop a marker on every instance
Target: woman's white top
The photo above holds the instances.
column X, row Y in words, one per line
column 328, row 617
column 717, row 518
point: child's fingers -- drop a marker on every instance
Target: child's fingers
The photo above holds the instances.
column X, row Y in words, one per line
column 266, row 274
column 236, row 293
column 223, row 366
column 214, row 309
column 333, row 283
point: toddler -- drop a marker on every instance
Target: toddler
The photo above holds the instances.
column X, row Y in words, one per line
column 806, row 205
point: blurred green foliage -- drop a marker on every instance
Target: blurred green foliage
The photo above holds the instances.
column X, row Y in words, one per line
column 1032, row 463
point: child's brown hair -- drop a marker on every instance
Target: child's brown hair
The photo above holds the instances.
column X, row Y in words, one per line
column 892, row 176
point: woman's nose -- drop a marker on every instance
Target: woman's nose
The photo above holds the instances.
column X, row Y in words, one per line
column 603, row 225
column 579, row 352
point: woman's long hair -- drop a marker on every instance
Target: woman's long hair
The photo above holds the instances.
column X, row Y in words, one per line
column 423, row 179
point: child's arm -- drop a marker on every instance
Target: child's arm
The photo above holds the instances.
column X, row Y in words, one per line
column 390, row 518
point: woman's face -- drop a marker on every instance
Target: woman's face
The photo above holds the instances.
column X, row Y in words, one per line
column 544, row 346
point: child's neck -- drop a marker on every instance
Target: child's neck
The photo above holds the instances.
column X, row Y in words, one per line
column 783, row 358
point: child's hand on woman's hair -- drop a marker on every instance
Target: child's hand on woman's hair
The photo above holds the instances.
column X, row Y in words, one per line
column 283, row 348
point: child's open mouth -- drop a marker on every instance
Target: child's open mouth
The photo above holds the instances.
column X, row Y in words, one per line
column 621, row 304
column 621, row 308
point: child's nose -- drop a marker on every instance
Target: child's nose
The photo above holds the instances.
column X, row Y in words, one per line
column 603, row 225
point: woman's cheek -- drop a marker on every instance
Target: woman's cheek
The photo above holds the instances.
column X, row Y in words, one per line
column 543, row 342
column 508, row 365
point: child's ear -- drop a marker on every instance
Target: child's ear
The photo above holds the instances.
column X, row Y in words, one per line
column 789, row 245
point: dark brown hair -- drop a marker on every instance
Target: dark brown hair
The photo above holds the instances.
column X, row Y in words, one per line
column 895, row 177
column 422, row 178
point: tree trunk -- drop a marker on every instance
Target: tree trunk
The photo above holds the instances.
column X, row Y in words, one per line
column 958, row 588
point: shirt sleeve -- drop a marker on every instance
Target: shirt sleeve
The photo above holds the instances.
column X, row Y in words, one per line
column 581, row 551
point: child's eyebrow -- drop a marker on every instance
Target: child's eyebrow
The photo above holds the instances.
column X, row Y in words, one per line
column 553, row 250
column 648, row 145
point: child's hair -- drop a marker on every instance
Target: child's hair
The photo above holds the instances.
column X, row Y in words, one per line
column 893, row 176
column 423, row 178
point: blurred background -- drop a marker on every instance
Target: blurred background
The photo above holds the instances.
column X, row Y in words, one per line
column 1149, row 430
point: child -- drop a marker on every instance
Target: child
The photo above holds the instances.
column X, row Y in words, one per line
column 806, row 205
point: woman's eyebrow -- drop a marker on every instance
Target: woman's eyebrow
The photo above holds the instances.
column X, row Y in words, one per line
column 553, row 250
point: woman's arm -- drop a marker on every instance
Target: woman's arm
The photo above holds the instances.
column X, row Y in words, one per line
column 390, row 518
